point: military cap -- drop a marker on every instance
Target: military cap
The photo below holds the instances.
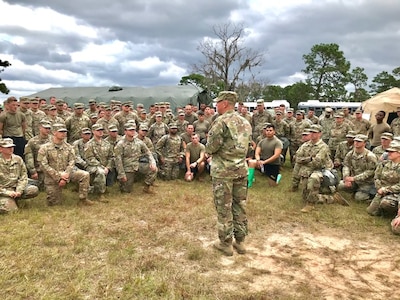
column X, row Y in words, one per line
column 140, row 105
column 315, row 128
column 79, row 105
column 112, row 101
column 266, row 125
column 116, row 108
column 158, row 114
column 143, row 127
column 102, row 104
column 328, row 109
column 387, row 136
column 339, row 115
column 7, row 143
column 34, row 100
column 181, row 113
column 227, row 95
column 290, row 110
column 130, row 126
column 394, row 146
column 117, row 102
column 162, row 104
column 358, row 111
column 94, row 116
column 260, row 101
column 351, row 134
column 306, row 131
column 51, row 107
column 86, row 130
column 112, row 128
column 59, row 127
column 97, row 127
column 143, row 111
column 92, row 101
column 127, row 103
column 278, row 112
column 60, row 102
column 107, row 107
column 45, row 124
column 25, row 100
column 361, row 138
column 173, row 126
column 299, row 112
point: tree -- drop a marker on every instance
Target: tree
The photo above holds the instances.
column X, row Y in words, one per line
column 227, row 58
column 359, row 79
column 327, row 70
column 385, row 81
column 298, row 92
column 3, row 87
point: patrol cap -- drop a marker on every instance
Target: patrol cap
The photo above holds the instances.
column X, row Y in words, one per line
column 306, row 131
column 181, row 113
column 299, row 112
column 260, row 101
column 328, row 110
column 107, row 107
column 173, row 126
column 227, row 95
column 60, row 102
column 339, row 115
column 361, row 138
column 127, row 103
column 92, row 101
column 266, row 125
column 158, row 114
column 79, row 105
column 45, row 124
column 25, row 100
column 143, row 127
column 7, row 143
column 130, row 126
column 86, row 130
column 94, row 116
column 112, row 128
column 143, row 111
column 278, row 112
column 387, row 136
column 35, row 100
column 394, row 146
column 140, row 105
column 358, row 111
column 59, row 127
column 291, row 110
column 315, row 128
column 51, row 107
column 97, row 127
column 351, row 134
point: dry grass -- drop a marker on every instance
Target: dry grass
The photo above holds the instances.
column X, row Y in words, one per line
column 158, row 247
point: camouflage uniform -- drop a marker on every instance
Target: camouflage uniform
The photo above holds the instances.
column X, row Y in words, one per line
column 338, row 134
column 13, row 178
column 341, row 151
column 296, row 130
column 326, row 124
column 257, row 122
column 79, row 149
column 228, row 142
column 313, row 158
column 123, row 117
column 395, row 127
column 156, row 131
column 29, row 123
column 171, row 150
column 75, row 124
column 31, row 154
column 55, row 159
column 37, row 116
column 361, row 166
column 54, row 120
column 387, row 177
column 127, row 154
column 99, row 155
column 361, row 126
column 107, row 123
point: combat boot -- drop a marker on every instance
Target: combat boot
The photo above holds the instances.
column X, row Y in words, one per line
column 147, row 190
column 309, row 207
column 340, row 199
column 238, row 244
column 224, row 247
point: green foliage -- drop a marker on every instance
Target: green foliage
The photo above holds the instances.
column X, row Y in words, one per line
column 359, row 79
column 298, row 92
column 327, row 71
column 385, row 81
column 3, row 87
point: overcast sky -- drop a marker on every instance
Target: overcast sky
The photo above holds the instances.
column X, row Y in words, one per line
column 62, row 43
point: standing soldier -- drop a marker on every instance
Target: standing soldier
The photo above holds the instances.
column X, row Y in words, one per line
column 61, row 111
column 37, row 116
column 57, row 161
column 259, row 118
column 32, row 150
column 76, row 122
column 107, row 120
column 395, row 125
column 125, row 115
column 127, row 154
column 297, row 128
column 92, row 107
column 338, row 133
column 326, row 121
column 228, row 143
column 341, row 151
column 361, row 125
column 158, row 129
column 24, row 105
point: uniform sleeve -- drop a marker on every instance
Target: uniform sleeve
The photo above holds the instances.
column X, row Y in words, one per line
column 215, row 137
column 370, row 167
column 23, row 177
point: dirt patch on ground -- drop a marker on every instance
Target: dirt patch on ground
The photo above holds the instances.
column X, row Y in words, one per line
column 334, row 267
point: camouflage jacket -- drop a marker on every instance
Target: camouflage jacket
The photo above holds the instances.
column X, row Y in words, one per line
column 171, row 148
column 37, row 116
column 282, row 129
column 56, row 158
column 395, row 126
column 361, row 126
column 80, row 159
column 342, row 149
column 326, row 124
column 123, row 117
column 105, row 123
column 228, row 142
column 75, row 124
column 387, row 177
column 99, row 154
column 127, row 154
column 338, row 134
column 13, row 175
column 296, row 131
column 313, row 157
column 258, row 120
column 31, row 153
column 156, row 131
column 361, row 166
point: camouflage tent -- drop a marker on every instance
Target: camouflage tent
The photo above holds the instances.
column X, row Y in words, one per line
column 178, row 95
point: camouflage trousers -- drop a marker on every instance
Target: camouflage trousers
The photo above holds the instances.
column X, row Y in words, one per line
column 386, row 205
column 293, row 147
column 54, row 192
column 97, row 179
column 311, row 187
column 230, row 197
column 361, row 191
column 296, row 178
column 8, row 204
column 395, row 230
column 150, row 177
column 169, row 170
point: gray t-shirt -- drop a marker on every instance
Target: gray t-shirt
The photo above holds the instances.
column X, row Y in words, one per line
column 268, row 147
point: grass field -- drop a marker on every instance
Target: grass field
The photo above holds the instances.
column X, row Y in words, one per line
column 159, row 247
